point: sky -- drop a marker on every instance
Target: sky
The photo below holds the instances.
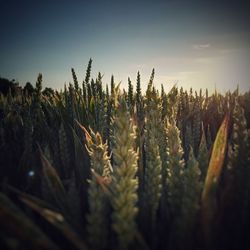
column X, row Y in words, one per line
column 195, row 43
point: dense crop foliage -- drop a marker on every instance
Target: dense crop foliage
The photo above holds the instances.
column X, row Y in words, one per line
column 98, row 167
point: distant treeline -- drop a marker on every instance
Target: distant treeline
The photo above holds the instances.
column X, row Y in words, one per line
column 13, row 87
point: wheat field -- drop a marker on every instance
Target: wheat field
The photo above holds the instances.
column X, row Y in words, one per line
column 95, row 166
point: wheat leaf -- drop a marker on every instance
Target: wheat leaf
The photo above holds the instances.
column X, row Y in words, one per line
column 54, row 182
column 14, row 221
column 217, row 159
column 208, row 199
column 57, row 220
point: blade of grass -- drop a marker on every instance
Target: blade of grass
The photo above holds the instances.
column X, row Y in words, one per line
column 17, row 224
column 54, row 183
column 57, row 220
column 208, row 199
column 28, row 196
column 217, row 159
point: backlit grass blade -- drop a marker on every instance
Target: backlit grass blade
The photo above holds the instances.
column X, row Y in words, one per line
column 208, row 199
column 216, row 160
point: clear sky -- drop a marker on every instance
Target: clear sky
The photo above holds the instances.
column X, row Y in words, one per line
column 195, row 43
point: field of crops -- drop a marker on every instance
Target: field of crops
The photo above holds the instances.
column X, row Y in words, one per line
column 97, row 167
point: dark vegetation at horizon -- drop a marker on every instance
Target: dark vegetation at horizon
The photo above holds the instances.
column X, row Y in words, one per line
column 95, row 167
